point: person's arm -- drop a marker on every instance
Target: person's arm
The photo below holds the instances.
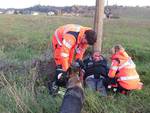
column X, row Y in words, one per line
column 80, row 51
column 113, row 69
column 67, row 43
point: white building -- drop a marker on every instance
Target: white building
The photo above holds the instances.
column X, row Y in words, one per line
column 35, row 13
column 50, row 13
column 10, row 12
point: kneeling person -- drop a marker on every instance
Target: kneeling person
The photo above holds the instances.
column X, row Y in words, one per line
column 123, row 71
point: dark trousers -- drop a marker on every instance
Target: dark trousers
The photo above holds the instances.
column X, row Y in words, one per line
column 96, row 85
column 118, row 87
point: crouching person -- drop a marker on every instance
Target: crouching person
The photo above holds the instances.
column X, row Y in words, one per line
column 74, row 95
column 123, row 72
column 67, row 41
column 96, row 73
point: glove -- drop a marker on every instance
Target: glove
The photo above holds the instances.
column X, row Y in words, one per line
column 60, row 73
column 79, row 64
column 112, row 83
column 61, row 77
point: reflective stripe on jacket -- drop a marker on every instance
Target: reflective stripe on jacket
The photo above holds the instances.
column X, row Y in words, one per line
column 125, row 70
column 65, row 43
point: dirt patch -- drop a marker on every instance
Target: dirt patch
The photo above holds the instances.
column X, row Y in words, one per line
column 44, row 65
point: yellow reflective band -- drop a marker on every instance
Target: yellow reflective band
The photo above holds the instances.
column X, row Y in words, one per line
column 57, row 38
column 134, row 77
column 114, row 68
column 78, row 27
column 128, row 64
column 64, row 55
column 67, row 43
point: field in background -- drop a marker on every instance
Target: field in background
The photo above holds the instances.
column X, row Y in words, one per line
column 131, row 12
column 24, row 38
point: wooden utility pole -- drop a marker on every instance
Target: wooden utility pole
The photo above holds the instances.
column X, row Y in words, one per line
column 98, row 24
column 107, row 3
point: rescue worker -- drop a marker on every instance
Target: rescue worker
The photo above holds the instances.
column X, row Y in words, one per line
column 124, row 71
column 96, row 73
column 66, row 41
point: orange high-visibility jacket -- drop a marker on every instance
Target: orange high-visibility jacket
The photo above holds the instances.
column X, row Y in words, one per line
column 127, row 75
column 66, row 41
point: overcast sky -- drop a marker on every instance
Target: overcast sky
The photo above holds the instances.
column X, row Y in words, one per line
column 28, row 3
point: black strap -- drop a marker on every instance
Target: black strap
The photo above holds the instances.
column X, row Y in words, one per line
column 75, row 34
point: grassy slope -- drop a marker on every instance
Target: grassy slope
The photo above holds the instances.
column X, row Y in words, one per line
column 25, row 37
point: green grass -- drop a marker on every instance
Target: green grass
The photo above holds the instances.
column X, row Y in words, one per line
column 26, row 37
column 23, row 38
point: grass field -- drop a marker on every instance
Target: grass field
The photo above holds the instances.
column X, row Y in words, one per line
column 24, row 38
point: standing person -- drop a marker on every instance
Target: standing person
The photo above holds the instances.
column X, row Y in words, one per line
column 124, row 71
column 68, row 40
column 96, row 72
